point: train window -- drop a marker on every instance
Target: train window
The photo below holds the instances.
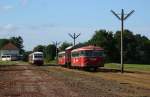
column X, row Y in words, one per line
column 82, row 53
column 61, row 55
column 98, row 53
column 3, row 56
column 75, row 54
column 38, row 56
column 90, row 53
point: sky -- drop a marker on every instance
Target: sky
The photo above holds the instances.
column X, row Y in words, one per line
column 45, row 21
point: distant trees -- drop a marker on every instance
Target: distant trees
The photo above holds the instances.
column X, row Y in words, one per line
column 39, row 48
column 106, row 40
column 49, row 51
column 18, row 41
column 64, row 45
column 136, row 47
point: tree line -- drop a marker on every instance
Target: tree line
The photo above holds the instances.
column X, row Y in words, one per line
column 136, row 47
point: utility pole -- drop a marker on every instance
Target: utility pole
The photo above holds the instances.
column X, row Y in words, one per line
column 122, row 17
column 56, row 43
column 74, row 37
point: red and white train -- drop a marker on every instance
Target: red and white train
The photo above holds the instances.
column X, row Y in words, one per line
column 84, row 57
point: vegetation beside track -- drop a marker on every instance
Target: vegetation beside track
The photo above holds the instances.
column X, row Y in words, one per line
column 13, row 63
column 130, row 67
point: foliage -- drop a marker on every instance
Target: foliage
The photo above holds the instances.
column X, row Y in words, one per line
column 39, row 48
column 136, row 47
column 50, row 52
column 106, row 40
column 18, row 41
column 130, row 67
column 25, row 55
column 64, row 46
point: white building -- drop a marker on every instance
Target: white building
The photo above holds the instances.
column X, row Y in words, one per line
column 9, row 50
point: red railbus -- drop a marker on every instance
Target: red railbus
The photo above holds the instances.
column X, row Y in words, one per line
column 64, row 57
column 61, row 58
column 83, row 57
column 87, row 57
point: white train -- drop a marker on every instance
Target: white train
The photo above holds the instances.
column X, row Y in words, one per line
column 36, row 58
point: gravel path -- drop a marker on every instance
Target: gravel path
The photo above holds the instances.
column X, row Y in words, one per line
column 34, row 81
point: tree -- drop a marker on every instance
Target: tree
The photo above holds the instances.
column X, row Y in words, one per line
column 50, row 52
column 135, row 47
column 39, row 48
column 26, row 55
column 18, row 41
column 64, row 46
column 105, row 39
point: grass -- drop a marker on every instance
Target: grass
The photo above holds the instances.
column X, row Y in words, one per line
column 130, row 67
column 12, row 62
column 53, row 62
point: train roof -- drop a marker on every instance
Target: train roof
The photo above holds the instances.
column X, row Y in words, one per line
column 90, row 47
column 61, row 52
column 36, row 53
column 70, row 47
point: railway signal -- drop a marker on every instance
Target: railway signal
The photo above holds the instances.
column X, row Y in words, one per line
column 122, row 17
column 74, row 37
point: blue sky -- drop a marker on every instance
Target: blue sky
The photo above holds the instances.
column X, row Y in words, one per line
column 44, row 21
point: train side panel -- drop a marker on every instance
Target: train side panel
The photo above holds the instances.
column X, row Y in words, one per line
column 89, row 56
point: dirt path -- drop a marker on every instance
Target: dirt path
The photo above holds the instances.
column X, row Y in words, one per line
column 34, row 81
column 29, row 81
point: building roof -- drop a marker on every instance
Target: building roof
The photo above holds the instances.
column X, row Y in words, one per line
column 9, row 46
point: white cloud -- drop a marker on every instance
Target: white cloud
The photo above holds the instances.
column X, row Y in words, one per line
column 15, row 28
column 6, row 7
column 8, row 28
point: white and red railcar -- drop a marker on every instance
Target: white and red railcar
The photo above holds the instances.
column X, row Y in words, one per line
column 36, row 58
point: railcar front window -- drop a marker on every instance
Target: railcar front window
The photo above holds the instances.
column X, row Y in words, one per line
column 38, row 56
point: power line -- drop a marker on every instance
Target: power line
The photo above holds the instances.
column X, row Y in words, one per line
column 122, row 17
column 74, row 36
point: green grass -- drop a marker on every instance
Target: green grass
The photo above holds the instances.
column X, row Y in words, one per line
column 12, row 63
column 130, row 67
column 53, row 62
